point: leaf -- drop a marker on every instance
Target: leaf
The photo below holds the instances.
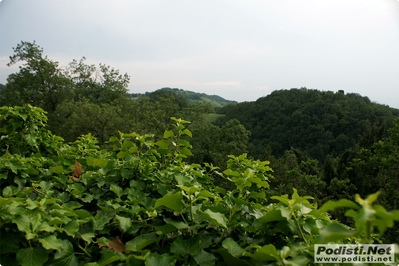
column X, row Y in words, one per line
column 184, row 247
column 116, row 244
column 141, row 241
column 23, row 223
column 334, row 232
column 232, row 247
column 124, row 223
column 57, row 169
column 77, row 171
column 231, row 173
column 96, row 162
column 216, row 218
column 342, row 203
column 51, row 242
column 265, row 253
column 191, row 246
column 186, row 151
column 36, row 256
column 230, row 260
column 187, row 132
column 116, row 189
column 87, row 237
column 66, row 257
column 172, row 201
column 205, row 259
column 71, row 228
column 163, row 144
column 160, row 260
column 168, row 133
column 107, row 258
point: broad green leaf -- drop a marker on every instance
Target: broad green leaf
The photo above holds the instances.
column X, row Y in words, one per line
column 232, row 247
column 10, row 191
column 168, row 134
column 231, row 173
column 107, row 258
column 230, row 260
column 57, row 169
column 205, row 194
column 184, row 247
column 36, row 222
column 342, row 203
column 205, row 259
column 165, row 229
column 163, row 144
column 172, row 201
column 216, row 218
column 187, row 132
column 71, row 228
column 82, row 214
column 178, row 225
column 124, row 223
column 116, row 189
column 141, row 241
column 160, row 260
column 96, row 162
column 101, row 219
column 51, row 242
column 36, row 256
column 186, row 151
column 283, row 199
column 265, row 253
column 87, row 237
column 334, row 232
column 23, row 223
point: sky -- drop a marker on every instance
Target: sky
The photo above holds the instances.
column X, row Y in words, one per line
column 239, row 50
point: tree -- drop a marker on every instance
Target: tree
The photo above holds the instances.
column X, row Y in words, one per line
column 39, row 81
column 99, row 85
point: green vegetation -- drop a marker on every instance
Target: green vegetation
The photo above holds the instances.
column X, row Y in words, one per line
column 90, row 175
column 317, row 123
column 141, row 203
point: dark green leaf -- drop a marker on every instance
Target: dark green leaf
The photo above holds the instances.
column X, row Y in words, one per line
column 160, row 260
column 232, row 247
column 51, row 242
column 141, row 241
column 36, row 256
column 172, row 201
column 66, row 256
column 334, row 232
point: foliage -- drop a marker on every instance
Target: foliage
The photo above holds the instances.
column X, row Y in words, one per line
column 143, row 204
column 39, row 81
column 315, row 122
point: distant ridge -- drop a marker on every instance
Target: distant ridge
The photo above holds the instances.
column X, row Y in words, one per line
column 317, row 123
column 215, row 100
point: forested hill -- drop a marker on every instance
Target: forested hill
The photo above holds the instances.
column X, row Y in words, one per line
column 215, row 100
column 316, row 122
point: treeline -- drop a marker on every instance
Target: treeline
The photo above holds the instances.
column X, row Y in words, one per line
column 315, row 122
column 81, row 98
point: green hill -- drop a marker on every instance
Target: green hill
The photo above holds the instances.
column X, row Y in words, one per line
column 316, row 122
column 215, row 100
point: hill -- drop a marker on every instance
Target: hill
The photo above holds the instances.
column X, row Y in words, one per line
column 318, row 123
column 215, row 100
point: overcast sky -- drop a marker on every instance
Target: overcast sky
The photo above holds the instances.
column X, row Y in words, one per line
column 240, row 50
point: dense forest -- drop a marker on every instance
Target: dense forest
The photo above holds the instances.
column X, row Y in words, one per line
column 171, row 146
